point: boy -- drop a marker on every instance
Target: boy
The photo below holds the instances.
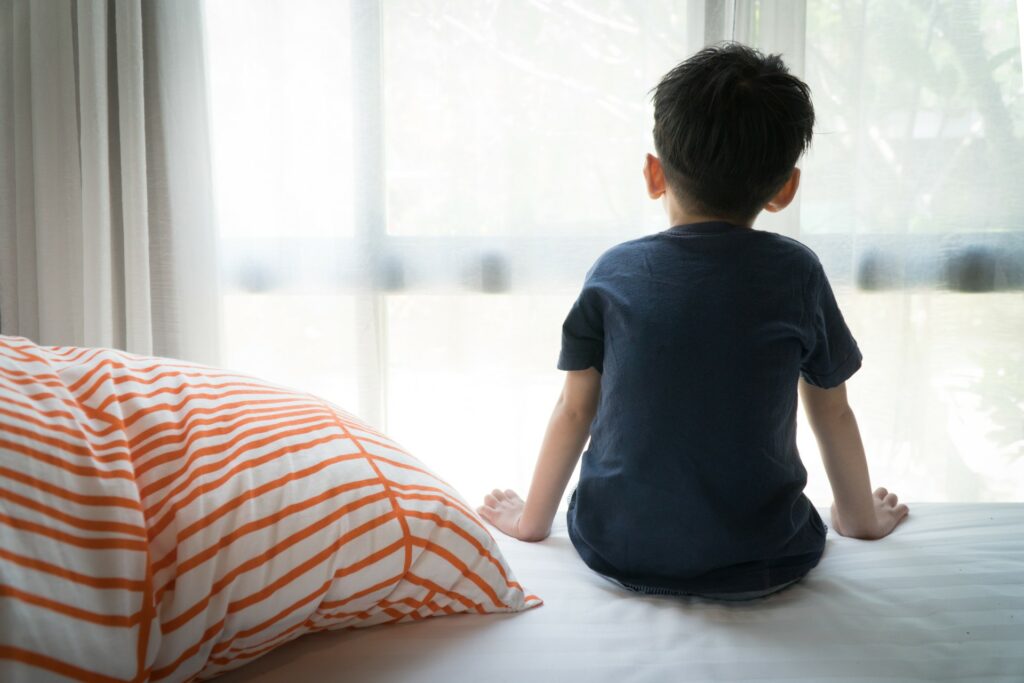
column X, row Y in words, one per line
column 684, row 352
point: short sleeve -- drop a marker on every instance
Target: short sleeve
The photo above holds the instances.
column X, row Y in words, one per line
column 583, row 334
column 830, row 355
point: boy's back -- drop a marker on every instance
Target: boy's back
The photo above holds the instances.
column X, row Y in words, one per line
column 684, row 354
column 692, row 480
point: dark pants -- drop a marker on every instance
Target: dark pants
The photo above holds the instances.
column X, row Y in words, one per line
column 730, row 597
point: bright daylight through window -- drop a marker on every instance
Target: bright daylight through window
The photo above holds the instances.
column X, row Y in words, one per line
column 409, row 194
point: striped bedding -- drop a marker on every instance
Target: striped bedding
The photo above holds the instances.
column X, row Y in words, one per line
column 162, row 520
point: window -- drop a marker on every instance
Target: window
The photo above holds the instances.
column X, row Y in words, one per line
column 409, row 194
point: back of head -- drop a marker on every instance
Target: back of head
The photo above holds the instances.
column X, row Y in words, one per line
column 730, row 124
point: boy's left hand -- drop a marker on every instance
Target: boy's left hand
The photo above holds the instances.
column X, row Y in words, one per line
column 503, row 509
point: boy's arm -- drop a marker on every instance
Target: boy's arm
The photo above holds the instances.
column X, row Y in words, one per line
column 566, row 435
column 856, row 512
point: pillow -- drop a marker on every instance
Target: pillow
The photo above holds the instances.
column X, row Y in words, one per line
column 167, row 520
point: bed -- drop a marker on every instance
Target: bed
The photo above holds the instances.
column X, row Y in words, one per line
column 940, row 600
column 165, row 520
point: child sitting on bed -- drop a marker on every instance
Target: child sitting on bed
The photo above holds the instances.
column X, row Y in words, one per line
column 684, row 352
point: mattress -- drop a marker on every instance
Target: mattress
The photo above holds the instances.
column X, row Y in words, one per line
column 942, row 599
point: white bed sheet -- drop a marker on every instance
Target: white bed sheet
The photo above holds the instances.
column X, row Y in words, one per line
column 940, row 600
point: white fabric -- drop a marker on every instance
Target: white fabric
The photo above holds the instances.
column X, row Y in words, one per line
column 506, row 157
column 1020, row 30
column 106, row 215
column 162, row 520
column 942, row 599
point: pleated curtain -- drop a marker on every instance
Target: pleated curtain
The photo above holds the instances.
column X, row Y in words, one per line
column 106, row 208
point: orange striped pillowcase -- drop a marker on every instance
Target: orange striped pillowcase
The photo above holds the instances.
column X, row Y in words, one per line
column 165, row 520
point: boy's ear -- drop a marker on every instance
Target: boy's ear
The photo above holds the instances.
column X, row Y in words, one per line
column 784, row 197
column 655, row 177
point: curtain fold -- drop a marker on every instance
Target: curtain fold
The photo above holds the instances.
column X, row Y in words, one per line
column 106, row 228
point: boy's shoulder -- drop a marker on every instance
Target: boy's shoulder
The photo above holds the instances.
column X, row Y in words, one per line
column 800, row 260
column 629, row 248
column 791, row 243
column 614, row 258
column 779, row 248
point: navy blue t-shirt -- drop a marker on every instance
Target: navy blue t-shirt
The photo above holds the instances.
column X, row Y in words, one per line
column 692, row 480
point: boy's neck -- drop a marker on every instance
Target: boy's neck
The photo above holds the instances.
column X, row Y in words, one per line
column 685, row 218
column 677, row 215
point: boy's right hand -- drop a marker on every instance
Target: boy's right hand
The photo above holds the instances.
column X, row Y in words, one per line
column 888, row 514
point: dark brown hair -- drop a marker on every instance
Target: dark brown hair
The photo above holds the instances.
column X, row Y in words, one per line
column 730, row 124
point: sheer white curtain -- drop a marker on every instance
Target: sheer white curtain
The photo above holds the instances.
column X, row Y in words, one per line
column 913, row 197
column 106, row 217
column 409, row 193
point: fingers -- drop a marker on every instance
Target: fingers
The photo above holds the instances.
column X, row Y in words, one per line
column 898, row 514
column 507, row 495
column 498, row 504
column 890, row 500
column 497, row 495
